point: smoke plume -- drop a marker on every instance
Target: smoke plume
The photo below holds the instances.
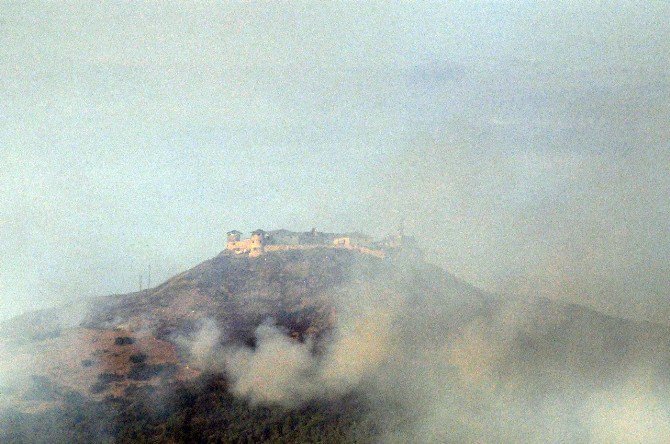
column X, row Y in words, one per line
column 445, row 366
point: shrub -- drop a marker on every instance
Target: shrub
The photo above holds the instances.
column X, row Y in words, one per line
column 143, row 371
column 124, row 340
column 99, row 387
column 138, row 358
column 106, row 378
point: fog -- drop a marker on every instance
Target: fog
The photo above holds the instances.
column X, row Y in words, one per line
column 526, row 147
column 435, row 366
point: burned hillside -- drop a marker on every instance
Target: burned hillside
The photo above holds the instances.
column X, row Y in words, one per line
column 300, row 335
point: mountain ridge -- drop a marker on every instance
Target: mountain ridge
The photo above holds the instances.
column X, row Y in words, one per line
column 336, row 315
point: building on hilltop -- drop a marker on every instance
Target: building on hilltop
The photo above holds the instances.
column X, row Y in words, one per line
column 262, row 241
column 254, row 246
column 399, row 245
column 234, row 236
column 235, row 244
column 282, row 237
column 257, row 243
column 342, row 242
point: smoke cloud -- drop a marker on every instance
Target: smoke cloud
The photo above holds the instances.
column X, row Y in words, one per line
column 436, row 367
column 525, row 148
column 282, row 370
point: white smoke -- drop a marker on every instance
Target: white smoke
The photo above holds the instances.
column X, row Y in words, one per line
column 284, row 371
column 426, row 384
column 279, row 371
column 204, row 345
column 628, row 415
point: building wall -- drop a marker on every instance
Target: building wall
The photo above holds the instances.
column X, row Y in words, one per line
column 291, row 247
column 256, row 246
column 364, row 250
column 239, row 247
column 234, row 237
column 344, row 242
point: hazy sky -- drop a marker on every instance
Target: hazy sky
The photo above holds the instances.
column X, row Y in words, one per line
column 525, row 144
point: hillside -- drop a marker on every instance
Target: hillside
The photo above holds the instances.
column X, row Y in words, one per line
column 325, row 344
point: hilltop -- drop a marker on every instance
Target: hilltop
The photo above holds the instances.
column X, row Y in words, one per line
column 294, row 288
column 317, row 337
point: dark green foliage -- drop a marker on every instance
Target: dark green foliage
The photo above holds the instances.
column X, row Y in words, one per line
column 143, row 371
column 123, row 340
column 104, row 380
column 110, row 377
column 99, row 387
column 202, row 411
column 138, row 358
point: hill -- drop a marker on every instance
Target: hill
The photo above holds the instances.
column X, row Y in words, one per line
column 328, row 345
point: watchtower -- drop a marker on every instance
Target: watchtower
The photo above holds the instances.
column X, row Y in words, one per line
column 257, row 243
column 233, row 237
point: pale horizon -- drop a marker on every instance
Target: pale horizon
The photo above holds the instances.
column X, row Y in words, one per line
column 525, row 147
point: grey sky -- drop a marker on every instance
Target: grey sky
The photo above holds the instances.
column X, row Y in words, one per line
column 526, row 145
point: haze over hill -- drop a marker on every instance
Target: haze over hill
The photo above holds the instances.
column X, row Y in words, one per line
column 386, row 350
column 526, row 147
